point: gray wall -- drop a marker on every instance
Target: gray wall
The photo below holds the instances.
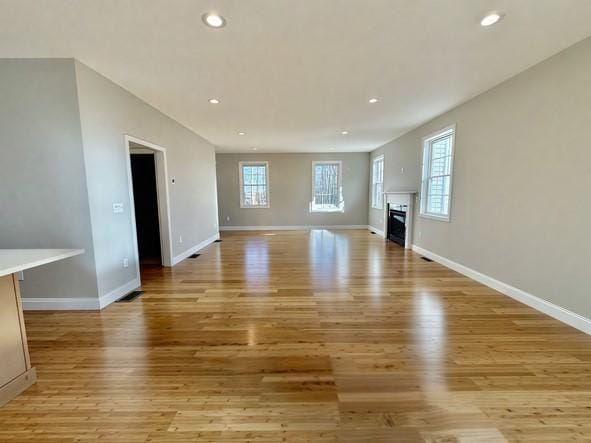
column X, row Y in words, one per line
column 107, row 112
column 290, row 180
column 520, row 209
column 62, row 129
column 43, row 192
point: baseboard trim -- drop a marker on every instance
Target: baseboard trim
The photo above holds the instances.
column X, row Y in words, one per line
column 16, row 386
column 116, row 294
column 289, row 228
column 79, row 304
column 60, row 304
column 183, row 255
column 559, row 313
column 376, row 230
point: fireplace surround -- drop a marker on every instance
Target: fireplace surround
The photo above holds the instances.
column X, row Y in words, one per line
column 402, row 202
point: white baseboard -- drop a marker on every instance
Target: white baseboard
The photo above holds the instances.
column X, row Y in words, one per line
column 559, row 313
column 376, row 230
column 183, row 255
column 116, row 294
column 79, row 304
column 60, row 304
column 289, row 228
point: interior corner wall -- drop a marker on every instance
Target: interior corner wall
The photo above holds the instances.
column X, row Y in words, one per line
column 290, row 191
column 520, row 209
column 43, row 192
column 107, row 112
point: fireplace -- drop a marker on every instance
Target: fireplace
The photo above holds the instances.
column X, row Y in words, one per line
column 398, row 217
column 397, row 224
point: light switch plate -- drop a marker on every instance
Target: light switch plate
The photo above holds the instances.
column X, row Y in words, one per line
column 117, row 208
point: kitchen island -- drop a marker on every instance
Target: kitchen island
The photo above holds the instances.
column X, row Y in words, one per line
column 16, row 372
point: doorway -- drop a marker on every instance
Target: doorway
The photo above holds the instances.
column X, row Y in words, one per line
column 149, row 202
column 145, row 202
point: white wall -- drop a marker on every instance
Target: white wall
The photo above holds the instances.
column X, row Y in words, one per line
column 521, row 209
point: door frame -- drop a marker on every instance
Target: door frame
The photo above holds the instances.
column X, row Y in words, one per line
column 163, row 196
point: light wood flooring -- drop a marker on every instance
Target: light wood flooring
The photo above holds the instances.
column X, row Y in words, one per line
column 300, row 336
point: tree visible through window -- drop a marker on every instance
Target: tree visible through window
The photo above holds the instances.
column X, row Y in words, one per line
column 254, row 188
column 437, row 174
column 327, row 188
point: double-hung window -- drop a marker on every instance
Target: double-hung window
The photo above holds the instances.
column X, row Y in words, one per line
column 437, row 174
column 377, row 183
column 254, row 184
column 327, row 193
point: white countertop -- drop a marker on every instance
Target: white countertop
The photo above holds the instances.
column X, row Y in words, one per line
column 16, row 260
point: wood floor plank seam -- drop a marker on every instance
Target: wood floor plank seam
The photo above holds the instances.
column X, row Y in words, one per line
column 304, row 336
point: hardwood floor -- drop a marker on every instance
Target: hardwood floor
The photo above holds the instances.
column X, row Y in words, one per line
column 304, row 336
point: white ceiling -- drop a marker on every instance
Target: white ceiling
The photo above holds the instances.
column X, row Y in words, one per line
column 294, row 73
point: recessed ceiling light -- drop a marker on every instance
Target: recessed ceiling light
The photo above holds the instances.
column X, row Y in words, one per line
column 213, row 101
column 491, row 18
column 344, row 132
column 213, row 20
column 241, row 133
column 373, row 100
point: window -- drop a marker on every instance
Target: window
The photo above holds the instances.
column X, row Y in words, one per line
column 327, row 193
column 254, row 184
column 437, row 174
column 377, row 183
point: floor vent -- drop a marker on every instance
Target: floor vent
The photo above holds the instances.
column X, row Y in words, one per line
column 194, row 255
column 219, row 240
column 427, row 259
column 130, row 297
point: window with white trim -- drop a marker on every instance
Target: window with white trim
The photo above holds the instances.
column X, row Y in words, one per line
column 377, row 183
column 327, row 194
column 437, row 174
column 254, row 184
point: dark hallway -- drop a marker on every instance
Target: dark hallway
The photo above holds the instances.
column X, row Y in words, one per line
column 143, row 171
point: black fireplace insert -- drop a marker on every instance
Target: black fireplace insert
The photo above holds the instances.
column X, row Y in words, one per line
column 397, row 225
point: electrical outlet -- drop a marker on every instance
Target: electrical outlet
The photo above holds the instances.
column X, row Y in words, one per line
column 227, row 218
column 402, row 170
column 180, row 238
column 125, row 262
column 420, row 234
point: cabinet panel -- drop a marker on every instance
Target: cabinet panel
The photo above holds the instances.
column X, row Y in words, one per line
column 12, row 353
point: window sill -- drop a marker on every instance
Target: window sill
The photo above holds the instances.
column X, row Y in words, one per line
column 377, row 207
column 443, row 218
column 255, row 207
column 328, row 210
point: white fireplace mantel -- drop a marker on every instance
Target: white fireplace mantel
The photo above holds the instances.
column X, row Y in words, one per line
column 405, row 198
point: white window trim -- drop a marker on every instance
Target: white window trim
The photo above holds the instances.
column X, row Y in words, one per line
column 373, row 182
column 341, row 207
column 254, row 163
column 424, row 167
